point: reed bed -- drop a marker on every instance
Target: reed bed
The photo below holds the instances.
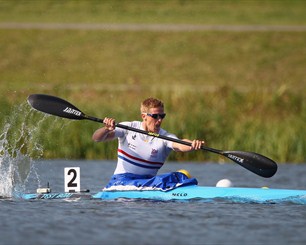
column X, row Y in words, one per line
column 272, row 125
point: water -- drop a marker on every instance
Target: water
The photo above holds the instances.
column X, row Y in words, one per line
column 152, row 222
column 133, row 222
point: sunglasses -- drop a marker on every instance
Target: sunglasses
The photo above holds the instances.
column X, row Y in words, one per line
column 156, row 116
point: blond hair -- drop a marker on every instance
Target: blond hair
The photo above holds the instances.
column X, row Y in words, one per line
column 149, row 103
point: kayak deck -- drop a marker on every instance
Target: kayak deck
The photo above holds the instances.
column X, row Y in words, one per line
column 234, row 194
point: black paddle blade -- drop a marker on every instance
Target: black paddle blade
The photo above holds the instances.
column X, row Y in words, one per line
column 254, row 162
column 55, row 106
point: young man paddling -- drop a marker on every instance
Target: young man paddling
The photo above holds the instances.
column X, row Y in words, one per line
column 140, row 156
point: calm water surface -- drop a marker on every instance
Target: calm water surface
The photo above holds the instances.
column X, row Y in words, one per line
column 153, row 222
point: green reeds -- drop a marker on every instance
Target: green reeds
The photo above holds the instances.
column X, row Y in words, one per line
column 237, row 121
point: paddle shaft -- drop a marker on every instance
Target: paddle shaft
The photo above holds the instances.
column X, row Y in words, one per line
column 236, row 156
column 163, row 137
column 252, row 161
column 153, row 134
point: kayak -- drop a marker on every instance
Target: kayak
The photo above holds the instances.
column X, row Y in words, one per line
column 209, row 193
column 194, row 192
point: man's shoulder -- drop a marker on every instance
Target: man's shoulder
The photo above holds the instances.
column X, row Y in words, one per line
column 132, row 124
column 166, row 133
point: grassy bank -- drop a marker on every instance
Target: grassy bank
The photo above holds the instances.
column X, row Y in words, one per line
column 237, row 90
column 111, row 61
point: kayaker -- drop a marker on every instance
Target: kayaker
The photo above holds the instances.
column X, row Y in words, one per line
column 140, row 156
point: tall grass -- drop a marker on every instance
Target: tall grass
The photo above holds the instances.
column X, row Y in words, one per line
column 272, row 125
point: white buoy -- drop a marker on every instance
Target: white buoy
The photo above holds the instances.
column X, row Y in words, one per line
column 224, row 183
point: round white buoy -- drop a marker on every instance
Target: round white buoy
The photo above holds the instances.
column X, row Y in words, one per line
column 224, row 183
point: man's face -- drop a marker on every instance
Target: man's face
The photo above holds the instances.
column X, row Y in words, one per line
column 152, row 124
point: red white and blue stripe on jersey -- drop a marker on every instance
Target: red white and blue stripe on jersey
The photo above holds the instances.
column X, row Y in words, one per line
column 127, row 158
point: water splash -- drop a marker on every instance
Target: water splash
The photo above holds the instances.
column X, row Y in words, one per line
column 18, row 148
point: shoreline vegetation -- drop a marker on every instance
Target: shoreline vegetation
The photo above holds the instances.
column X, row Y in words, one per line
column 237, row 90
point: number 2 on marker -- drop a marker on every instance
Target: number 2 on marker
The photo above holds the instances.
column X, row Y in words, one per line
column 73, row 173
column 72, row 179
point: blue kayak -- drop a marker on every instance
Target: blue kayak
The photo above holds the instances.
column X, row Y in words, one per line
column 194, row 192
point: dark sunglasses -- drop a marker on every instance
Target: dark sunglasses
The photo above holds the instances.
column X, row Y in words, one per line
column 156, row 116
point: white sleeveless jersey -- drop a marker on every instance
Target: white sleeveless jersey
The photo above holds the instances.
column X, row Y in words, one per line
column 139, row 153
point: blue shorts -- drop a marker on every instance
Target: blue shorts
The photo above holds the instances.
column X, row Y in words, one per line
column 165, row 182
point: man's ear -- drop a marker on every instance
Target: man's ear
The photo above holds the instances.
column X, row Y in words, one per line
column 143, row 116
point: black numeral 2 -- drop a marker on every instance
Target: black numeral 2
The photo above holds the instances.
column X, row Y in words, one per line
column 70, row 183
